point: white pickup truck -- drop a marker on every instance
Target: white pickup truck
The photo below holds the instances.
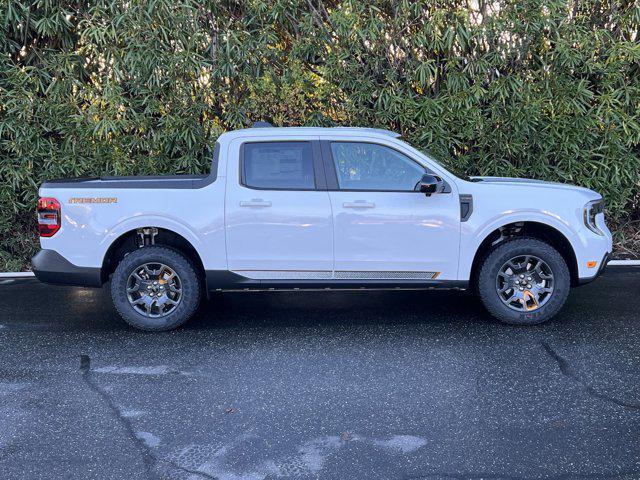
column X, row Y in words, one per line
column 319, row 208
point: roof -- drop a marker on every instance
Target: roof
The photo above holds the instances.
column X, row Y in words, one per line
column 321, row 131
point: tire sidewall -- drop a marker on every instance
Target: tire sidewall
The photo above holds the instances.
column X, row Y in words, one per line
column 176, row 261
column 508, row 250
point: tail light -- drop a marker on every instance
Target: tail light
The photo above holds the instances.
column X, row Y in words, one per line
column 48, row 216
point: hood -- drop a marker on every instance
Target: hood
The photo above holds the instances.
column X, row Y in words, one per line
column 530, row 182
column 515, row 180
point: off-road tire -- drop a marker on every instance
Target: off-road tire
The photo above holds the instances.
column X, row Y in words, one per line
column 190, row 280
column 496, row 258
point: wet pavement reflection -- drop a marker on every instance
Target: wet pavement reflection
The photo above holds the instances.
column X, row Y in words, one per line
column 363, row 385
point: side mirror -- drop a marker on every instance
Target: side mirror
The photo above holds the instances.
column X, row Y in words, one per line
column 430, row 184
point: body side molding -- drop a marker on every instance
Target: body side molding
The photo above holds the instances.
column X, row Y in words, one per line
column 221, row 280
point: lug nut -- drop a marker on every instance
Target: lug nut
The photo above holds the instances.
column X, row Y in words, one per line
column 529, row 278
column 521, row 276
column 521, row 288
column 529, row 285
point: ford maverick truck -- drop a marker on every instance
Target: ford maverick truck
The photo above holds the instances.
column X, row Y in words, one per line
column 319, row 208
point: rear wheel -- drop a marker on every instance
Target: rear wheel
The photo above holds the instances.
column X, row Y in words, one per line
column 155, row 288
column 523, row 281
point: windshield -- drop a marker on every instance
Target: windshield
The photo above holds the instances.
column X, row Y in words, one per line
column 432, row 158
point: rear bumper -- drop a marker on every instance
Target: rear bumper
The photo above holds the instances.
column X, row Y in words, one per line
column 602, row 268
column 51, row 267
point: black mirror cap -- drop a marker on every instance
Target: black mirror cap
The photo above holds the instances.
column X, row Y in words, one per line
column 430, row 184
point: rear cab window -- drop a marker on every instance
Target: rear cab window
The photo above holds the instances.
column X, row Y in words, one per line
column 286, row 165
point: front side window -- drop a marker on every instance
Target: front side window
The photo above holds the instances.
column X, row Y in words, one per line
column 367, row 166
column 278, row 165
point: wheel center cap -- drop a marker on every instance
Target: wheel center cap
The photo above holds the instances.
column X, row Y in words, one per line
column 154, row 289
column 525, row 283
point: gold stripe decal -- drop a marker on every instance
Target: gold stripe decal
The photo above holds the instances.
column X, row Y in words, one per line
column 93, row 200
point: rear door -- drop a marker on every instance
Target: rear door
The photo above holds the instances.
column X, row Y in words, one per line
column 384, row 228
column 278, row 213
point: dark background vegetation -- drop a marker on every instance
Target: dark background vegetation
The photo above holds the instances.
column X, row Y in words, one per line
column 542, row 89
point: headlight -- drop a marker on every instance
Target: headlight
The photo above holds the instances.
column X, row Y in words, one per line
column 592, row 209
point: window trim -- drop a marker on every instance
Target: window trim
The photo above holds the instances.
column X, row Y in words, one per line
column 319, row 180
column 332, row 175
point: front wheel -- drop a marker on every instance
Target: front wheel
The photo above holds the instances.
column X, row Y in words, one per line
column 523, row 281
column 155, row 288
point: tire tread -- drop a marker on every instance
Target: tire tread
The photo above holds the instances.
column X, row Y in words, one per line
column 485, row 284
column 169, row 255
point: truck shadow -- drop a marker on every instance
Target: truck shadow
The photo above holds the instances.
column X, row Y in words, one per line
column 27, row 304
column 589, row 305
column 300, row 308
column 30, row 305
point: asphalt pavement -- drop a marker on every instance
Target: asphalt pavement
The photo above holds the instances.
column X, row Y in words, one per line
column 327, row 385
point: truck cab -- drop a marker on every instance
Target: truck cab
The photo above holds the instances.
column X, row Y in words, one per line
column 320, row 208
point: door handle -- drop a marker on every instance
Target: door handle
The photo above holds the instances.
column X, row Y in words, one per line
column 255, row 202
column 359, row 204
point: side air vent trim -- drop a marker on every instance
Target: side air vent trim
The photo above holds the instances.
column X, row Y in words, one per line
column 466, row 207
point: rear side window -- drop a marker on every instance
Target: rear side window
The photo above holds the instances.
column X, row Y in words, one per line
column 278, row 165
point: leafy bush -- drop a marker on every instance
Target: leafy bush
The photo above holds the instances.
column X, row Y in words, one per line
column 543, row 89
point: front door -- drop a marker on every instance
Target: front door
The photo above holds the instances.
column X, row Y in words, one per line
column 278, row 214
column 383, row 227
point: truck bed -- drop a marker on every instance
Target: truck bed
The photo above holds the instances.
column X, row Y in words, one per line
column 159, row 182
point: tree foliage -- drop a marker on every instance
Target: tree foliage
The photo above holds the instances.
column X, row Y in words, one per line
column 543, row 89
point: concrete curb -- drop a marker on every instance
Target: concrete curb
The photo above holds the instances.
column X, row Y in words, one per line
column 612, row 263
column 15, row 274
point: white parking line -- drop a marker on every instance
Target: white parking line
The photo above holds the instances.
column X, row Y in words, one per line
column 615, row 263
column 15, row 274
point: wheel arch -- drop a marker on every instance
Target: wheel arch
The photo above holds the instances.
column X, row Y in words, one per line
column 129, row 241
column 542, row 231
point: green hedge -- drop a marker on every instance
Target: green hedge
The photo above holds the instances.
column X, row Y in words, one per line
column 543, row 89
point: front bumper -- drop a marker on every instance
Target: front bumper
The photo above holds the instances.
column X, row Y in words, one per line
column 601, row 268
column 51, row 267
